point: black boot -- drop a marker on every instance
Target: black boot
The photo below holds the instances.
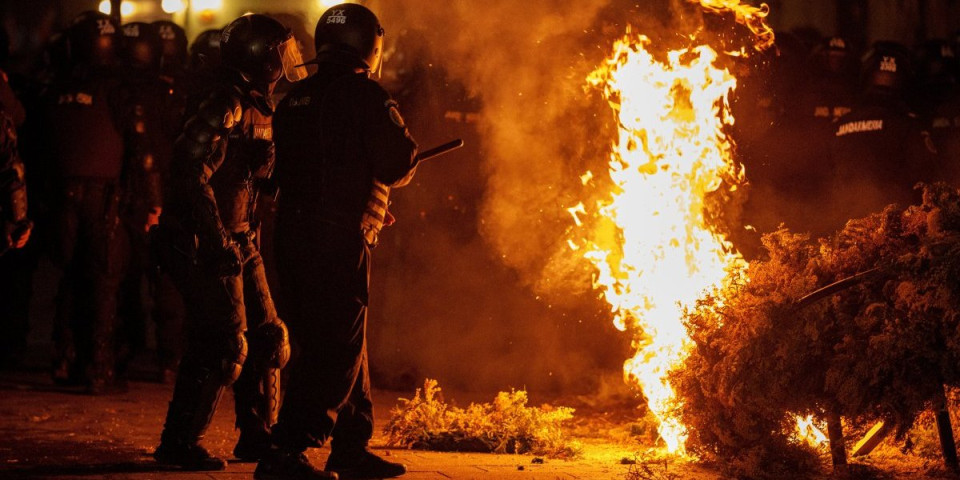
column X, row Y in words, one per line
column 189, row 456
column 252, row 445
column 362, row 464
column 282, row 465
column 195, row 399
column 256, row 401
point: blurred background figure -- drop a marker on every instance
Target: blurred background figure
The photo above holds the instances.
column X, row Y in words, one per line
column 15, row 265
column 881, row 149
column 173, row 71
column 144, row 292
column 833, row 84
column 938, row 103
column 203, row 63
column 97, row 147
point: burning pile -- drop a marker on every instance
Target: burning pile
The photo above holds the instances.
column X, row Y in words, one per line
column 650, row 241
column 880, row 348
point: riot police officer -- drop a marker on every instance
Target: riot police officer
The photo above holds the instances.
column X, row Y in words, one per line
column 94, row 145
column 173, row 72
column 222, row 161
column 13, row 189
column 173, row 54
column 202, row 65
column 146, row 100
column 833, row 86
column 15, row 266
column 880, row 149
column 939, row 103
column 205, row 51
column 341, row 145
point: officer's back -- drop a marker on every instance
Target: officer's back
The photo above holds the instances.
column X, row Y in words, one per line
column 353, row 143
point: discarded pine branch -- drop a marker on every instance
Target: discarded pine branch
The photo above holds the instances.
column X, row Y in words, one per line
column 507, row 425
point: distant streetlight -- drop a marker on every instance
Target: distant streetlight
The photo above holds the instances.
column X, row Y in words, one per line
column 202, row 5
column 173, row 6
column 325, row 4
column 126, row 8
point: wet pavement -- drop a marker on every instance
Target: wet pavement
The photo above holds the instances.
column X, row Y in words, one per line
column 49, row 432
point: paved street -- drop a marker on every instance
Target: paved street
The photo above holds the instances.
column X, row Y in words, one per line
column 56, row 433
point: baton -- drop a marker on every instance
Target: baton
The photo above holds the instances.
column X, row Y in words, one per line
column 442, row 149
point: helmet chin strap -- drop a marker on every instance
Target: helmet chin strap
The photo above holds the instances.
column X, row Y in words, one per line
column 377, row 75
column 260, row 100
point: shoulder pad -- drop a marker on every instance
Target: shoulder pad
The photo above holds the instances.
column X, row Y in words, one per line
column 367, row 85
column 220, row 110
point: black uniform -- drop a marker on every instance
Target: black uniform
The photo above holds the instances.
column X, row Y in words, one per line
column 209, row 244
column 14, row 266
column 95, row 149
column 147, row 104
column 944, row 125
column 337, row 133
column 880, row 151
column 938, row 103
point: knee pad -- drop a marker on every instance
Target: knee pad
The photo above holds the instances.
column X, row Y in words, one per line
column 275, row 342
column 233, row 356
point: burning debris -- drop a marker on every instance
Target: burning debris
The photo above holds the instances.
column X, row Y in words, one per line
column 652, row 241
column 881, row 348
column 507, row 425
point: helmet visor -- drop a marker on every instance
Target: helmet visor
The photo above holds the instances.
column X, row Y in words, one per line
column 293, row 67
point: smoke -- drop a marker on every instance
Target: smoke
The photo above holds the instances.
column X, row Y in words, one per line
column 539, row 128
column 490, row 295
column 527, row 65
column 476, row 285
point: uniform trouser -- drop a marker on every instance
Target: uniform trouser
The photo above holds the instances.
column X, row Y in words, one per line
column 91, row 249
column 168, row 314
column 223, row 317
column 16, row 289
column 167, row 306
column 132, row 310
column 324, row 279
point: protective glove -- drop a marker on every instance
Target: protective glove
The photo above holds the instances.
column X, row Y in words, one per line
column 229, row 261
column 16, row 234
column 152, row 219
column 260, row 155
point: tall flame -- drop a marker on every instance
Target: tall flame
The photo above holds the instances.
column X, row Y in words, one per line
column 652, row 247
column 752, row 17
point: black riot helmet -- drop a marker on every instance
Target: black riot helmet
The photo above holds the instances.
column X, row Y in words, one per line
column 93, row 40
column 56, row 57
column 261, row 49
column 349, row 34
column 205, row 50
column 937, row 64
column 173, row 41
column 834, row 57
column 141, row 46
column 887, row 67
